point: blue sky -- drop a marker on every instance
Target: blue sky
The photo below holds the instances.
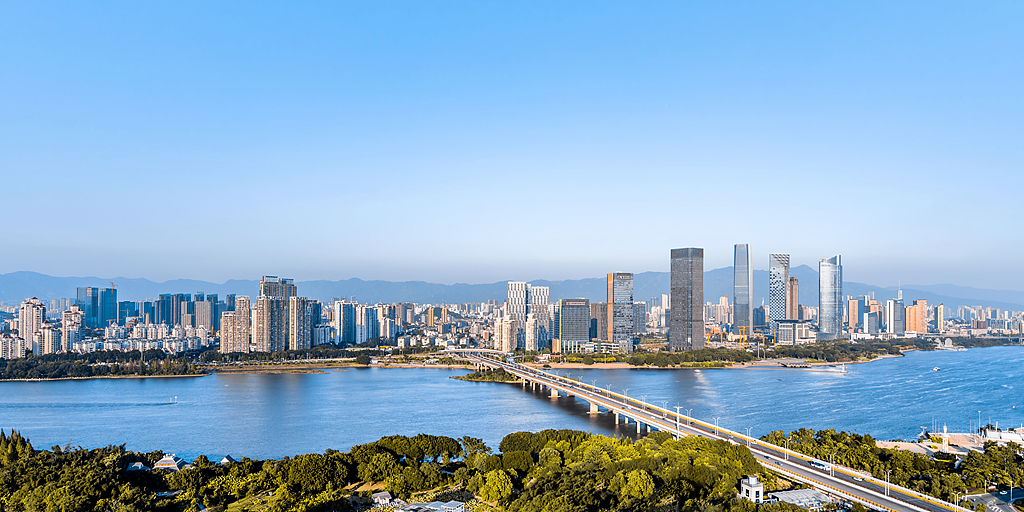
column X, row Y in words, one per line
column 480, row 141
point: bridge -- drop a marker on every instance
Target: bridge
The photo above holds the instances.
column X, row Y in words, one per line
column 836, row 480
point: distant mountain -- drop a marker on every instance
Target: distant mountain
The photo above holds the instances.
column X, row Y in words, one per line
column 16, row 286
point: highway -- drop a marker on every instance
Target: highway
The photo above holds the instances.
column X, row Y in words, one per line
column 833, row 479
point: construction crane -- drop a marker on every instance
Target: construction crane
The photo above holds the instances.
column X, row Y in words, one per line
column 112, row 285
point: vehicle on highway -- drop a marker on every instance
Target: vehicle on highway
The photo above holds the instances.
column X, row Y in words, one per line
column 820, row 465
column 859, row 479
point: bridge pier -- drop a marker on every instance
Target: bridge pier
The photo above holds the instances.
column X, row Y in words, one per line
column 639, row 427
column 616, row 417
column 593, row 408
column 554, row 393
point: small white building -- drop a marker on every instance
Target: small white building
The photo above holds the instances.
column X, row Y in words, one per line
column 435, row 506
column 751, row 489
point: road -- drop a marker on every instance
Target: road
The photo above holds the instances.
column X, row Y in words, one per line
column 837, row 480
column 997, row 501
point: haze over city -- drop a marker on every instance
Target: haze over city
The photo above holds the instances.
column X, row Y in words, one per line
column 464, row 142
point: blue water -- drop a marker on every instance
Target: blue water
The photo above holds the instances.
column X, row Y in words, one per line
column 271, row 416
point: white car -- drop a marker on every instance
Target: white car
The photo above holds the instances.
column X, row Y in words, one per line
column 859, row 479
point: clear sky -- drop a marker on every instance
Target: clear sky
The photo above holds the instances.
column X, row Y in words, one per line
column 480, row 141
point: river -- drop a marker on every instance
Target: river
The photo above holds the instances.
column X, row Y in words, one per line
column 272, row 416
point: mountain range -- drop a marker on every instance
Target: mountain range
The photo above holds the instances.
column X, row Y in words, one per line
column 16, row 286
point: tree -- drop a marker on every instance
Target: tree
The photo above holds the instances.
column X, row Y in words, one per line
column 639, row 484
column 363, row 359
column 497, row 486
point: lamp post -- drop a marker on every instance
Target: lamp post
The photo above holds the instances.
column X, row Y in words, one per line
column 643, row 404
column 748, row 436
column 688, row 411
column 664, row 407
column 832, row 463
column 787, row 449
column 716, row 426
column 887, row 481
column 677, row 422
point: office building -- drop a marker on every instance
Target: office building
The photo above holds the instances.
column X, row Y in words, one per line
column 895, row 315
column 793, row 299
column 778, row 288
column 167, row 308
column 599, row 321
column 639, row 317
column 870, row 323
column 235, row 327
column 830, row 298
column 573, row 326
column 515, row 322
column 686, row 324
column 31, row 315
column 98, row 304
column 620, row 311
column 742, row 290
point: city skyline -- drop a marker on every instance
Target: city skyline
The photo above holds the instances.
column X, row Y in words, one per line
column 163, row 128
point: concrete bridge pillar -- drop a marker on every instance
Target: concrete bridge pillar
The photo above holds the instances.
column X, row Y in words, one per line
column 639, row 427
column 616, row 414
column 593, row 408
column 554, row 393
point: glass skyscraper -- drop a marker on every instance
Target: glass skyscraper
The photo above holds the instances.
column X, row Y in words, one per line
column 742, row 289
column 778, row 283
column 830, row 297
column 686, row 318
column 620, row 310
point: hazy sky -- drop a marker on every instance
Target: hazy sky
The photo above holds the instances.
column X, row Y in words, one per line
column 480, row 141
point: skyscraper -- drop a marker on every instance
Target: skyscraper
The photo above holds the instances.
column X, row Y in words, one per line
column 525, row 331
column 271, row 334
column 300, row 327
column 344, row 320
column 742, row 289
column 778, row 284
column 573, row 326
column 620, row 311
column 793, row 299
column 686, row 326
column 830, row 297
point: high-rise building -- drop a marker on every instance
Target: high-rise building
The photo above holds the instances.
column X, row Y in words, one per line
column 778, row 287
column 168, row 308
column 71, row 326
column 271, row 319
column 895, row 315
column 48, row 339
column 830, row 297
column 235, row 327
column 31, row 315
column 99, row 305
column 686, row 326
column 853, row 314
column 300, row 327
column 573, row 326
column 620, row 311
column 524, row 300
column 639, row 317
column 742, row 289
column 917, row 317
column 793, row 299
column 344, row 322
column 940, row 318
column 599, row 321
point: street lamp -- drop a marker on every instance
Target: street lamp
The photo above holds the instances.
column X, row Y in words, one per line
column 748, row 436
column 787, row 449
column 677, row 422
column 643, row 404
column 688, row 411
column 716, row 426
column 664, row 407
column 887, row 481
